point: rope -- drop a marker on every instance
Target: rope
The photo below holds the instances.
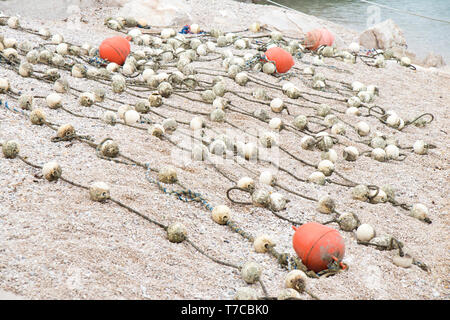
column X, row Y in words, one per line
column 183, row 195
column 419, row 117
column 235, row 201
column 145, row 217
column 234, row 227
column 13, row 109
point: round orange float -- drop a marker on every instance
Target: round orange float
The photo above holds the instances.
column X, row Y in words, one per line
column 115, row 49
column 318, row 245
column 283, row 59
column 318, row 37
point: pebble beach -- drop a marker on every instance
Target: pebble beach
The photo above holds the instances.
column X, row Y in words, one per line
column 55, row 243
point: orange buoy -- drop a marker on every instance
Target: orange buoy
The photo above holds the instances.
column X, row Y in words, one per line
column 318, row 37
column 318, row 245
column 283, row 59
column 115, row 49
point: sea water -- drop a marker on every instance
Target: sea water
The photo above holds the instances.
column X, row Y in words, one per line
column 422, row 35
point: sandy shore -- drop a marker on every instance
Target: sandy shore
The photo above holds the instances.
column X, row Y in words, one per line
column 57, row 244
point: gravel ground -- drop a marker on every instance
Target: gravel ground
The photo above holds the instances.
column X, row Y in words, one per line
column 57, row 244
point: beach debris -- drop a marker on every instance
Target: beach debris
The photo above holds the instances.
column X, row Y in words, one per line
column 255, row 27
column 405, row 61
column 131, row 117
column 378, row 154
column 260, row 197
column 354, row 47
column 158, row 131
column 331, row 155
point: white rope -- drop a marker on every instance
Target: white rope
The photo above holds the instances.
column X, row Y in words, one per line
column 404, row 11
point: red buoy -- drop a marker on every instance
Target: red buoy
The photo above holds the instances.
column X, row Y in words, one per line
column 318, row 245
column 318, row 37
column 115, row 49
column 283, row 59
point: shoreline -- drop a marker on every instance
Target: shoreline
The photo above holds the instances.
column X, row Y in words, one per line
column 284, row 20
column 57, row 244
